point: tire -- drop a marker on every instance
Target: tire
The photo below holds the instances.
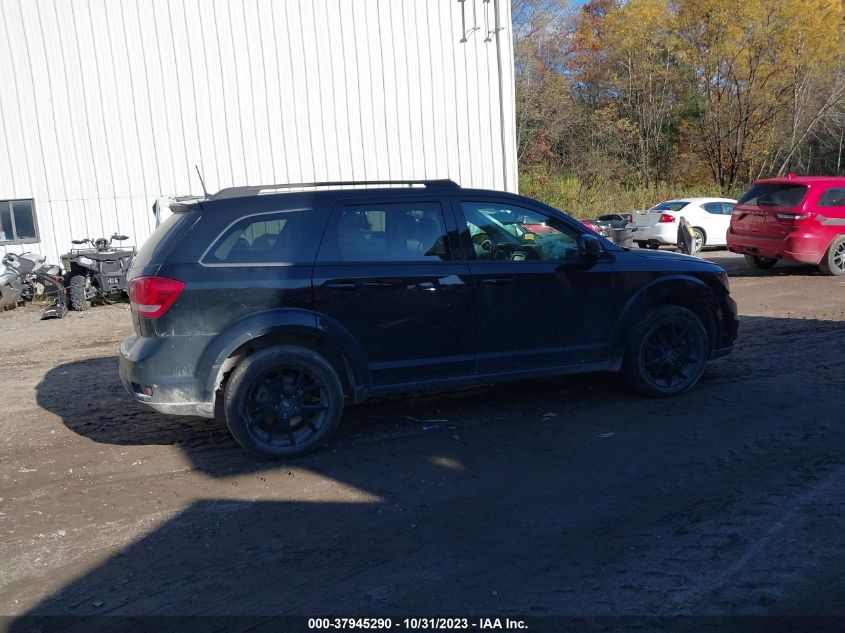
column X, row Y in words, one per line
column 668, row 341
column 283, row 401
column 76, row 293
column 760, row 263
column 833, row 262
column 699, row 239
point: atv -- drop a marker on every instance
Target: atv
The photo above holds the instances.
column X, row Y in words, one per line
column 98, row 272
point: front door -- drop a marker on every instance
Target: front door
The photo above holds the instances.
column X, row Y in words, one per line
column 386, row 274
column 540, row 303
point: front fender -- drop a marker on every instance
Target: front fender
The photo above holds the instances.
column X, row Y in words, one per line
column 679, row 289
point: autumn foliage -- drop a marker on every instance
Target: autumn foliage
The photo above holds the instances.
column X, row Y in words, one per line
column 679, row 93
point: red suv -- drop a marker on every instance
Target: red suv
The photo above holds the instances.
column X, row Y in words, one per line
column 797, row 218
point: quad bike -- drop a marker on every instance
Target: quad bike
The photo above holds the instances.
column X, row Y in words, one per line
column 98, row 272
column 24, row 276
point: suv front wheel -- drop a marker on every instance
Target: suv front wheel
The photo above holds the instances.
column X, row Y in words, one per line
column 283, row 401
column 667, row 351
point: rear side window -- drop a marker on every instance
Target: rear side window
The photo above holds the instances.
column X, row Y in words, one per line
column 833, row 197
column 719, row 208
column 774, row 194
column 282, row 237
column 402, row 232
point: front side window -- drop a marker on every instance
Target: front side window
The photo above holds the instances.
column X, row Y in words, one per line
column 506, row 232
column 833, row 197
column 285, row 237
column 387, row 232
column 17, row 222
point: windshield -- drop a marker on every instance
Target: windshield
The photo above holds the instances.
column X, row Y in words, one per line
column 774, row 194
column 672, row 205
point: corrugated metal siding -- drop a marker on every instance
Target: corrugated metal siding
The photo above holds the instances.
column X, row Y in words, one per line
column 107, row 104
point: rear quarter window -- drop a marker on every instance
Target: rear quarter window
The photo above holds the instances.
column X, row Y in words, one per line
column 833, row 197
column 279, row 237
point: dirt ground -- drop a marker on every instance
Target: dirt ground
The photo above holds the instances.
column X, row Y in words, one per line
column 567, row 497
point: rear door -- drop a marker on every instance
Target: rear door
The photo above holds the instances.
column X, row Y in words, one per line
column 715, row 222
column 387, row 274
column 756, row 212
column 539, row 303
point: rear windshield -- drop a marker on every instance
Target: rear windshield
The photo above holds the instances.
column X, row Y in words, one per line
column 774, row 194
column 672, row 205
column 152, row 250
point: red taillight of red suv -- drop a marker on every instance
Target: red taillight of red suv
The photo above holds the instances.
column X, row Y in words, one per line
column 666, row 218
column 150, row 297
column 792, row 219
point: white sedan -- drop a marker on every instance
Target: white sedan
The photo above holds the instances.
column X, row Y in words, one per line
column 709, row 217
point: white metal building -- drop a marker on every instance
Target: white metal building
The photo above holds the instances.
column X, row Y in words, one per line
column 107, row 104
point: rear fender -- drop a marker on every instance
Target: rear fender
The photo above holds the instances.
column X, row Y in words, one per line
column 287, row 324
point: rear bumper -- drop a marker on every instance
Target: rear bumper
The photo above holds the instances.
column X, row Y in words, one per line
column 797, row 247
column 159, row 374
column 662, row 232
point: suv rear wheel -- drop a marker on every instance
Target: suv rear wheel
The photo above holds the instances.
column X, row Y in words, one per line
column 283, row 401
column 667, row 351
column 833, row 262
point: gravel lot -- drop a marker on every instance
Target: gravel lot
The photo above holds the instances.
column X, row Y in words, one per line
column 556, row 497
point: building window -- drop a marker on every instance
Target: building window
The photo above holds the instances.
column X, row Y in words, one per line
column 17, row 222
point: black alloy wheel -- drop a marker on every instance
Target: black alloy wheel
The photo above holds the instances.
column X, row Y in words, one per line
column 667, row 351
column 283, row 401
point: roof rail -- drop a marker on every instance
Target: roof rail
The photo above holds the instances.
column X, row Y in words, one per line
column 254, row 190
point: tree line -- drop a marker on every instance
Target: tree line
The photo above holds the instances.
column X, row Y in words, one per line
column 679, row 93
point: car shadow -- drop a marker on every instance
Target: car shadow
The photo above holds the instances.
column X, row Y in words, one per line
column 568, row 497
column 91, row 402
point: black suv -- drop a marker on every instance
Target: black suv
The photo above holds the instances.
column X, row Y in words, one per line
column 274, row 307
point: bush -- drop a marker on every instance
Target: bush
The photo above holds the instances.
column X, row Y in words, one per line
column 584, row 200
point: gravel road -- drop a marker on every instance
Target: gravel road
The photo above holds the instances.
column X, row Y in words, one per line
column 566, row 497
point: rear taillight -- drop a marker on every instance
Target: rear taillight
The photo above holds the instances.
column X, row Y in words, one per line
column 792, row 218
column 150, row 297
column 665, row 217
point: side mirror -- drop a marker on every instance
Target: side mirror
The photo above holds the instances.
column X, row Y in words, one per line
column 119, row 238
column 590, row 246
